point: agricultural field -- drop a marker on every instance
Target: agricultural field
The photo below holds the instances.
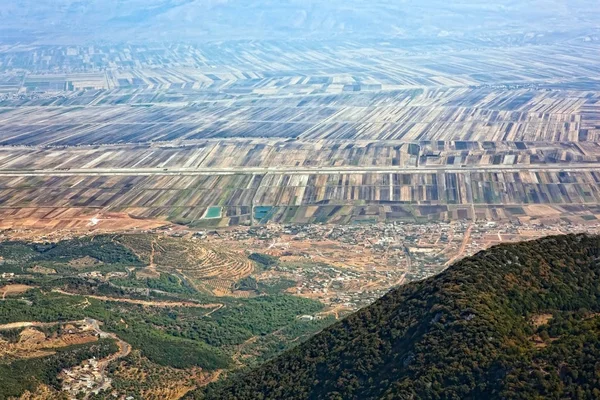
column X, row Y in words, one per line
column 381, row 194
column 411, row 114
column 212, row 269
column 135, row 137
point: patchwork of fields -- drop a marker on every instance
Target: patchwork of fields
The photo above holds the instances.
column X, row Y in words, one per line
column 316, row 197
column 345, row 132
column 411, row 115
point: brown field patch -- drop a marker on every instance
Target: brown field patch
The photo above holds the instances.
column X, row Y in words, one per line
column 12, row 290
column 31, row 336
column 149, row 272
column 33, row 343
column 541, row 210
column 540, row 319
column 37, row 269
column 55, row 223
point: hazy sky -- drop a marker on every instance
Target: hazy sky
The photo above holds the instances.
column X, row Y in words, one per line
column 204, row 20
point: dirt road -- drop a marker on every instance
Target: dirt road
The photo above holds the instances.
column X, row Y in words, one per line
column 148, row 303
column 19, row 325
column 463, row 246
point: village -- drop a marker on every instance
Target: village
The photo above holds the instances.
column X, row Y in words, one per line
column 351, row 266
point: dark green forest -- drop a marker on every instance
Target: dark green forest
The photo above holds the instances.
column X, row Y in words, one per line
column 101, row 248
column 472, row 332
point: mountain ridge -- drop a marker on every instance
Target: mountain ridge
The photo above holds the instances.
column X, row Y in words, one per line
column 69, row 22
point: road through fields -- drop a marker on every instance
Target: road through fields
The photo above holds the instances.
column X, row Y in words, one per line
column 579, row 167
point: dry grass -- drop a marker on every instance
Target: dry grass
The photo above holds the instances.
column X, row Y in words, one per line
column 12, row 290
column 33, row 343
column 540, row 319
column 84, row 262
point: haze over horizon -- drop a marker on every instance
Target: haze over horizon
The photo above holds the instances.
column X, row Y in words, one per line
column 135, row 21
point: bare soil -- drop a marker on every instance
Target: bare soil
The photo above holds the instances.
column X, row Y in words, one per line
column 12, row 290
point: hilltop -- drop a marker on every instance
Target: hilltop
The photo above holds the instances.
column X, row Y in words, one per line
column 515, row 321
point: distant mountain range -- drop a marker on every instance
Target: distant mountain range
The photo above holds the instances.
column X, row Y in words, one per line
column 519, row 321
column 76, row 21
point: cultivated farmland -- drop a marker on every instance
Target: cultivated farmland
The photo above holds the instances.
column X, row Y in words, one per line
column 355, row 132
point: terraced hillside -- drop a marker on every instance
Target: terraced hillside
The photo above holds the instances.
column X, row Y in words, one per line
column 206, row 267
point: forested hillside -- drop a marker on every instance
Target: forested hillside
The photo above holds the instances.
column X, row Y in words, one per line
column 518, row 321
column 180, row 334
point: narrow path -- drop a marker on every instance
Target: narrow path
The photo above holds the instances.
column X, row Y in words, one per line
column 335, row 311
column 463, row 246
column 124, row 347
column 215, row 310
column 151, row 267
column 238, row 353
column 189, row 282
column 19, row 325
column 152, row 253
column 149, row 303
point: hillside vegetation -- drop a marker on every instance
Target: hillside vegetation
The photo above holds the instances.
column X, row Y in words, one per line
column 518, row 321
column 27, row 374
column 169, row 324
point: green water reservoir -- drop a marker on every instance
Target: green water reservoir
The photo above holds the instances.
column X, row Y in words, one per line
column 213, row 212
